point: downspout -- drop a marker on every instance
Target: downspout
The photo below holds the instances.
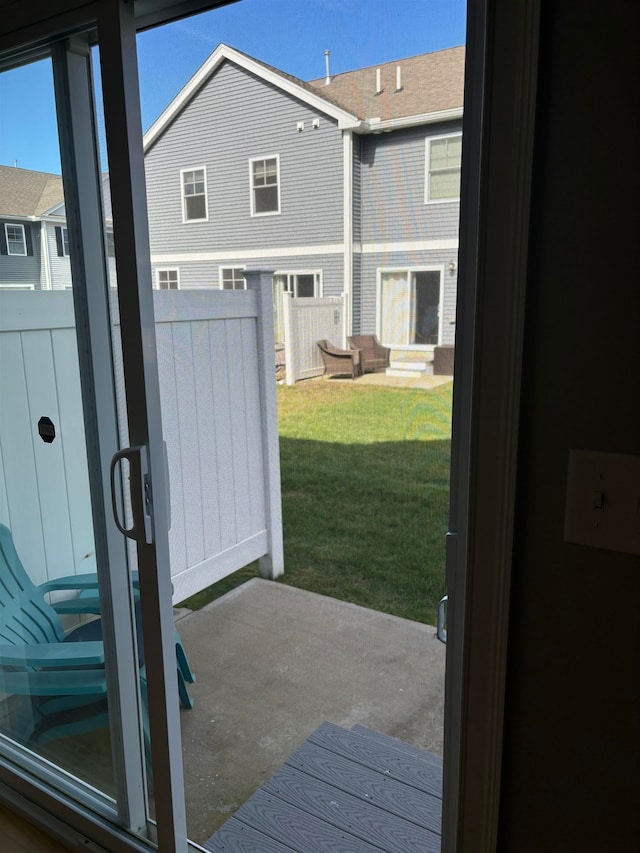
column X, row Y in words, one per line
column 347, row 163
column 47, row 283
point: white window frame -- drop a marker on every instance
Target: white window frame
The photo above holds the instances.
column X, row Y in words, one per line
column 167, row 270
column 185, row 219
column 64, row 233
column 317, row 281
column 24, row 239
column 253, row 160
column 221, row 271
column 409, row 271
column 427, row 169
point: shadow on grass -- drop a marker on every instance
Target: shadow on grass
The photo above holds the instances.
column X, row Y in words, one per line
column 364, row 523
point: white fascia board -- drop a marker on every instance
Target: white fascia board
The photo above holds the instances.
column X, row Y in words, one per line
column 224, row 52
column 52, row 211
column 374, row 125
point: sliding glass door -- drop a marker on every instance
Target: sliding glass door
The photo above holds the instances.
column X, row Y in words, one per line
column 88, row 688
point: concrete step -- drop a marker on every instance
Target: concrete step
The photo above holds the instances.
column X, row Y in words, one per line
column 407, row 368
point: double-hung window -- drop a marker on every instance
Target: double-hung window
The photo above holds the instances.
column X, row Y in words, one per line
column 16, row 240
column 265, row 185
column 194, row 195
column 167, row 279
column 232, row 278
column 443, row 161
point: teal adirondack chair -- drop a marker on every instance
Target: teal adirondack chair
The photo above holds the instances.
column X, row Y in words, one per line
column 62, row 674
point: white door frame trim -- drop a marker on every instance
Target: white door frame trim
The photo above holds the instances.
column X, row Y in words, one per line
column 498, row 134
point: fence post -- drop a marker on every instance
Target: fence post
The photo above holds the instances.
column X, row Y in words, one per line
column 259, row 280
column 290, row 366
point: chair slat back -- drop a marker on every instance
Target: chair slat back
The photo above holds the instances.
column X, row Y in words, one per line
column 25, row 616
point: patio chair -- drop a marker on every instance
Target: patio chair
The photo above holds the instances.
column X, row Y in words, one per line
column 62, row 675
column 374, row 356
column 339, row 362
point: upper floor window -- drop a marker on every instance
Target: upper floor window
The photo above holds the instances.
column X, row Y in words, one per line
column 16, row 240
column 232, row 278
column 167, row 279
column 62, row 241
column 443, row 160
column 194, row 194
column 265, row 185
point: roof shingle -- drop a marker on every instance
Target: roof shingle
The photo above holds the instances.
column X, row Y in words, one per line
column 430, row 82
column 27, row 193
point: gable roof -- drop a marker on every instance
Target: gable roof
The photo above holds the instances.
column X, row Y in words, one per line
column 431, row 83
column 28, row 194
column 286, row 82
column 432, row 90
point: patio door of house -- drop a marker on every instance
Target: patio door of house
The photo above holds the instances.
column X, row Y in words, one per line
column 89, row 730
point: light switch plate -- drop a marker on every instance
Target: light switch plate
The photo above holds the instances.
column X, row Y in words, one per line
column 603, row 501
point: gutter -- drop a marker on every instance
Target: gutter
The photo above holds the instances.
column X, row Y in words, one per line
column 375, row 125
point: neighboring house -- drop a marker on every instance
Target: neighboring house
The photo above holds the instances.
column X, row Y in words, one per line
column 34, row 243
column 348, row 184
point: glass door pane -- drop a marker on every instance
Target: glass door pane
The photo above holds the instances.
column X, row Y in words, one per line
column 56, row 636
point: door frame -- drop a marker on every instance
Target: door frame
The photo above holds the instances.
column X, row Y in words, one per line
column 499, row 124
column 498, row 136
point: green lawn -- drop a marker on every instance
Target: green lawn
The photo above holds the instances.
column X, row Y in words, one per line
column 365, row 492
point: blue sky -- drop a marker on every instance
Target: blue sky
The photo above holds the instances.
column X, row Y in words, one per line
column 290, row 34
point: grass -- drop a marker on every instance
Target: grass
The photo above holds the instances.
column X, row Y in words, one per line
column 365, row 495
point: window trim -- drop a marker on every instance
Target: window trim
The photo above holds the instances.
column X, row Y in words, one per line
column 221, row 270
column 427, row 168
column 24, row 239
column 159, row 270
column 317, row 281
column 205, row 218
column 253, row 160
column 65, row 241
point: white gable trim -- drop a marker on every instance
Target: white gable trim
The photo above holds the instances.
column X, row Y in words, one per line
column 224, row 52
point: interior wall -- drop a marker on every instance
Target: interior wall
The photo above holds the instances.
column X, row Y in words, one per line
column 571, row 773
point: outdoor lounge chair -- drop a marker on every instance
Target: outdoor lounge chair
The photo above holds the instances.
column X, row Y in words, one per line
column 61, row 674
column 373, row 355
column 339, row 362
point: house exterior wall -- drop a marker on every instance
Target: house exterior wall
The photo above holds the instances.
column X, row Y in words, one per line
column 60, row 266
column 372, row 263
column 22, row 269
column 399, row 230
column 233, row 118
column 393, row 188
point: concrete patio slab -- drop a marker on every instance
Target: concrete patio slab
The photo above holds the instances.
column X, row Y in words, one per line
column 273, row 662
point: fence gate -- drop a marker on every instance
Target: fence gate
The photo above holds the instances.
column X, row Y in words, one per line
column 307, row 321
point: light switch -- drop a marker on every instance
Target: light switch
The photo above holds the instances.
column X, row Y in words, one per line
column 603, row 501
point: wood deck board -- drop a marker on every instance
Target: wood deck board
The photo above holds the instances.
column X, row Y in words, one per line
column 306, row 833
column 395, row 797
column 342, row 792
column 350, row 814
column 424, row 775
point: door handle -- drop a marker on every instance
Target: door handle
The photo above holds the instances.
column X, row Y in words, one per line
column 441, row 631
column 141, row 529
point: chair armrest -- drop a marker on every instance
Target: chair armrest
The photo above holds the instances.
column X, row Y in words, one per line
column 52, row 655
column 56, row 682
column 86, row 581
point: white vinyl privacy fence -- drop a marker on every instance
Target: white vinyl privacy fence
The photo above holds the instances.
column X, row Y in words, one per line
column 216, row 368
column 307, row 321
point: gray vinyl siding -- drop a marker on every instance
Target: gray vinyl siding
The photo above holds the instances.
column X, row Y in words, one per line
column 233, row 118
column 393, row 189
column 60, row 266
column 22, row 269
column 206, row 274
column 372, row 262
column 357, row 186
